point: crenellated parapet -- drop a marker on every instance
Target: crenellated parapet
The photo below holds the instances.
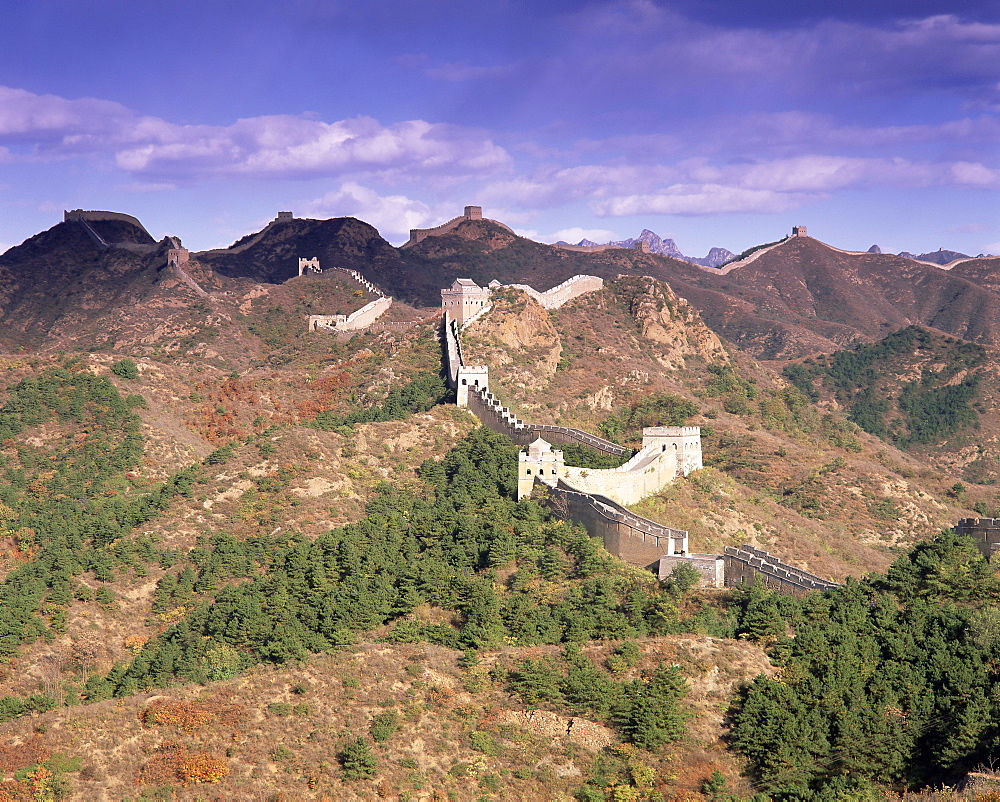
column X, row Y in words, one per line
column 102, row 216
column 563, row 293
column 465, row 301
column 362, row 318
column 662, row 458
column 985, row 531
column 746, row 564
column 470, row 213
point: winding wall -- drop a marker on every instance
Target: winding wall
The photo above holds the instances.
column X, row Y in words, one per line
column 562, row 293
column 625, row 534
column 635, row 539
column 493, row 415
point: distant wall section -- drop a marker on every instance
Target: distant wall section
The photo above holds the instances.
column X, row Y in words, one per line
column 985, row 531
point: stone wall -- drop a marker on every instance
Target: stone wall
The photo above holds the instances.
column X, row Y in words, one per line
column 470, row 213
column 633, row 538
column 711, row 567
column 667, row 452
column 745, row 564
column 359, row 319
column 495, row 416
column 562, row 293
column 586, row 248
column 361, row 280
column 985, row 531
column 98, row 216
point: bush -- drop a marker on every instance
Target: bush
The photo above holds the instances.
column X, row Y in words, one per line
column 384, row 725
column 126, row 368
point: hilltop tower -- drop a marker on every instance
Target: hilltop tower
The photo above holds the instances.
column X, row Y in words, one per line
column 309, row 265
column 177, row 257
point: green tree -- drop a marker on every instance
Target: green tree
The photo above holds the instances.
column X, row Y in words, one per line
column 126, row 368
column 357, row 760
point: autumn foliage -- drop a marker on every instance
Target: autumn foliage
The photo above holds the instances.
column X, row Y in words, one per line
column 174, row 763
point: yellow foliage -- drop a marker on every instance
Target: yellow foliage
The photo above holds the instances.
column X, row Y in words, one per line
column 202, row 769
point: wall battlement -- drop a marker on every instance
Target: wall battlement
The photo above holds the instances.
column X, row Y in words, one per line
column 985, row 531
column 745, row 564
column 470, row 213
column 309, row 265
column 101, row 216
column 466, row 301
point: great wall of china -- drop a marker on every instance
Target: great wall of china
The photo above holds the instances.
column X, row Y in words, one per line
column 596, row 498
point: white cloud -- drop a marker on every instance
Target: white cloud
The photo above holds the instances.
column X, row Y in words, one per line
column 392, row 215
column 692, row 199
column 36, row 127
column 575, row 234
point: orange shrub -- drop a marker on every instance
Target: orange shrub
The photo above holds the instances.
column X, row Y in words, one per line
column 187, row 716
column 202, row 769
column 173, row 762
column 14, row 758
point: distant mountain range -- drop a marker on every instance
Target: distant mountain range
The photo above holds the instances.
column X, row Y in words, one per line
column 719, row 256
column 667, row 247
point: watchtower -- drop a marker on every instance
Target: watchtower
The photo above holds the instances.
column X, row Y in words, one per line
column 177, row 257
column 473, row 212
column 464, row 299
column 799, row 231
column 541, row 461
column 309, row 265
column 470, row 376
column 684, row 441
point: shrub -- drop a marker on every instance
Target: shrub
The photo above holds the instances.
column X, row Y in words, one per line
column 384, row 725
column 126, row 368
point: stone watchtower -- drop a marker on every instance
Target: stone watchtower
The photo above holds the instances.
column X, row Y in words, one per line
column 464, row 299
column 684, row 441
column 469, row 377
column 985, row 531
column 473, row 212
column 540, row 461
column 799, row 231
column 177, row 257
column 309, row 265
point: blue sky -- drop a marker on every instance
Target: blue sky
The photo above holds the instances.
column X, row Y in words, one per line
column 715, row 122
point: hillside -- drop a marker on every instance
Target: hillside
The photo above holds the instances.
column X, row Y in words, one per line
column 799, row 298
column 230, row 546
column 787, row 476
column 922, row 391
